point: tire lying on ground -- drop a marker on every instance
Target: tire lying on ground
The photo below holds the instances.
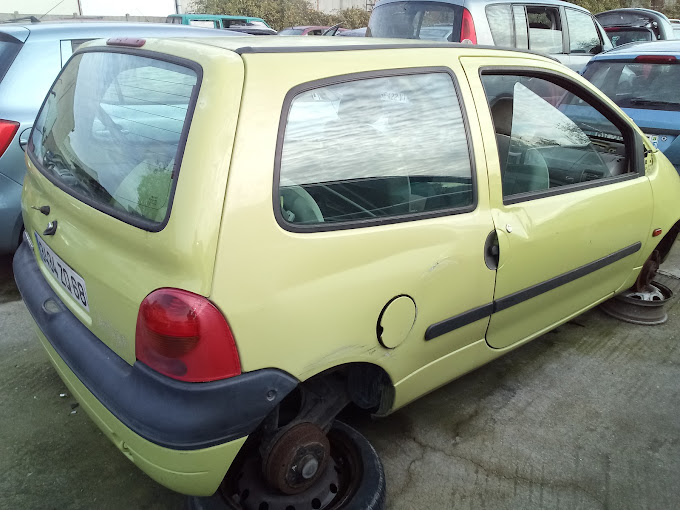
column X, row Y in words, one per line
column 355, row 465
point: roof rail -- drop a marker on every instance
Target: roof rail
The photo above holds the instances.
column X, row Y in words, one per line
column 32, row 19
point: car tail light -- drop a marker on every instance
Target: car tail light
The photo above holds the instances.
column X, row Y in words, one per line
column 467, row 30
column 7, row 131
column 656, row 59
column 184, row 336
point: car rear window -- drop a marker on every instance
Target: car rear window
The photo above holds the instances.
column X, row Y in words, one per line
column 8, row 51
column 619, row 36
column 433, row 21
column 111, row 133
column 642, row 85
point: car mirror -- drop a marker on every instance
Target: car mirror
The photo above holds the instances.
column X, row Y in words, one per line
column 596, row 49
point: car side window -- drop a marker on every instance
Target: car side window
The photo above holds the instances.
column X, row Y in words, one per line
column 500, row 23
column 368, row 150
column 545, row 29
column 583, row 36
column 520, row 23
column 548, row 137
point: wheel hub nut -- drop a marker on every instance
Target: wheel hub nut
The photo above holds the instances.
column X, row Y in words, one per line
column 297, row 457
column 309, row 467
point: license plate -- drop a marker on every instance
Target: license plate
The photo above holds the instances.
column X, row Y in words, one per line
column 67, row 277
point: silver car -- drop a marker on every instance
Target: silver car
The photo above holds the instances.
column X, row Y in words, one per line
column 560, row 29
column 31, row 55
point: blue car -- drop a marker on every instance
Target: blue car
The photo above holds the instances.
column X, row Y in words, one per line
column 644, row 80
column 31, row 55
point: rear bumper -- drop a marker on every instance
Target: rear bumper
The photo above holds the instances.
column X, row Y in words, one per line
column 184, row 435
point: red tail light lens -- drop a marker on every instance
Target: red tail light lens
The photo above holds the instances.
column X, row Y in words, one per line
column 7, row 131
column 656, row 59
column 467, row 30
column 182, row 335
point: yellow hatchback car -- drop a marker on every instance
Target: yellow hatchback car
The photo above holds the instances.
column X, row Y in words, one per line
column 230, row 240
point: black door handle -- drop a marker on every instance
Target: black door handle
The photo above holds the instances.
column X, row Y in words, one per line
column 51, row 228
column 491, row 251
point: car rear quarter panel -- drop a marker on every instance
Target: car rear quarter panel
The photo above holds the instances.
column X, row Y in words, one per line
column 22, row 92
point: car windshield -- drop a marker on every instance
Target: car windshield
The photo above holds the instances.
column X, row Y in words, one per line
column 291, row 31
column 8, row 50
column 414, row 20
column 648, row 86
column 110, row 132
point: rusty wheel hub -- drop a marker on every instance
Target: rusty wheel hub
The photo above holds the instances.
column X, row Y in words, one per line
column 297, row 458
column 648, row 272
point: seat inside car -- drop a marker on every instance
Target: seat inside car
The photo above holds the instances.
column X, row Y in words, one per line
column 523, row 169
column 298, row 206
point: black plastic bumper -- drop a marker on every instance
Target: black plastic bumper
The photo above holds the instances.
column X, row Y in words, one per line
column 170, row 413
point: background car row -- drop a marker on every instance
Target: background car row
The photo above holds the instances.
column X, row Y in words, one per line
column 31, row 55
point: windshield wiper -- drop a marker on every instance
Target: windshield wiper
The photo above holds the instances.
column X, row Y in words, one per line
column 649, row 102
column 74, row 176
column 93, row 185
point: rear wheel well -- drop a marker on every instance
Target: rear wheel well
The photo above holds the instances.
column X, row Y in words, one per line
column 317, row 401
column 665, row 245
column 366, row 385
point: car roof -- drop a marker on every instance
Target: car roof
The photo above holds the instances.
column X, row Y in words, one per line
column 95, row 29
column 667, row 47
column 636, row 10
column 467, row 3
column 276, row 44
column 211, row 16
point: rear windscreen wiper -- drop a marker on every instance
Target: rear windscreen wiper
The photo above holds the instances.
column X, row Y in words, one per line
column 649, row 102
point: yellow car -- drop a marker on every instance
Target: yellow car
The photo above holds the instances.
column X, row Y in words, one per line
column 229, row 240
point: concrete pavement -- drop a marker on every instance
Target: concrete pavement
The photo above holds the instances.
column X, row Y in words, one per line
column 584, row 417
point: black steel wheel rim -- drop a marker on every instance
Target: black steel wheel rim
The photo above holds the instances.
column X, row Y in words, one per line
column 243, row 491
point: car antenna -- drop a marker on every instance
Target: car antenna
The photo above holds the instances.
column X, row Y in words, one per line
column 55, row 6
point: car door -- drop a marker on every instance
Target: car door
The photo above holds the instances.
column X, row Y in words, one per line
column 569, row 197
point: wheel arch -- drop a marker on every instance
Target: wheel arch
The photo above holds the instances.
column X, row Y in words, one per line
column 369, row 385
column 664, row 246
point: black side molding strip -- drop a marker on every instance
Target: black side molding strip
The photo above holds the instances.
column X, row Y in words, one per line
column 465, row 318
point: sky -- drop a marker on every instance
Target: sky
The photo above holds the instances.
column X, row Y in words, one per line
column 90, row 7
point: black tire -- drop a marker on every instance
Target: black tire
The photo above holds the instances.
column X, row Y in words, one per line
column 369, row 493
